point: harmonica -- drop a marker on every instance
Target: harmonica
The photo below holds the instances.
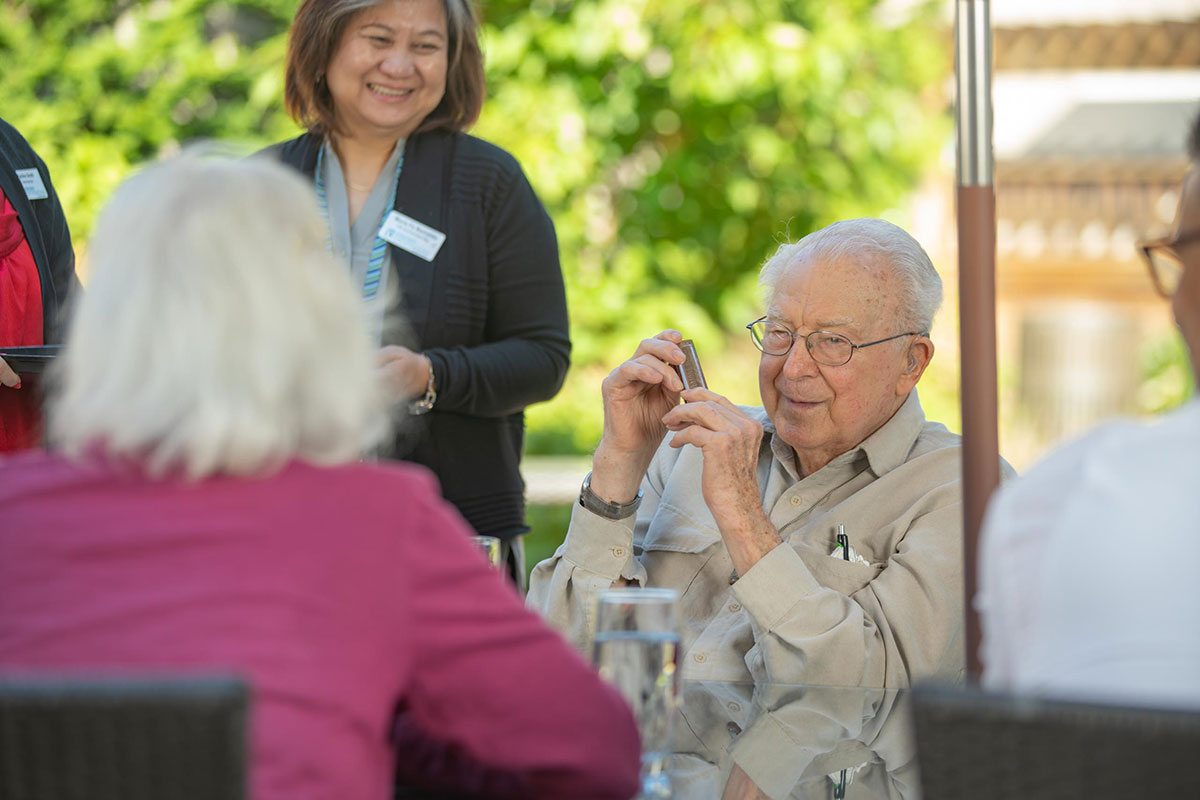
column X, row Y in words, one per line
column 689, row 371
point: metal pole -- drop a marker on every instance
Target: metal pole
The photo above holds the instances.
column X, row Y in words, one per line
column 976, row 201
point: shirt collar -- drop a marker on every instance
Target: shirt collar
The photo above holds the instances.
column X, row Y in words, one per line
column 885, row 449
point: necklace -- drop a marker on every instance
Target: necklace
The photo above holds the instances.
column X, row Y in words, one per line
column 358, row 187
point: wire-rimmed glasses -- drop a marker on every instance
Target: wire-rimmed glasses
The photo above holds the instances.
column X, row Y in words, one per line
column 1163, row 259
column 830, row 349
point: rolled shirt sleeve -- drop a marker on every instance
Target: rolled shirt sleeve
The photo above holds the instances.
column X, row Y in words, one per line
column 597, row 553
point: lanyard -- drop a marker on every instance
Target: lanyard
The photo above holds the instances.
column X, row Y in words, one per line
column 375, row 265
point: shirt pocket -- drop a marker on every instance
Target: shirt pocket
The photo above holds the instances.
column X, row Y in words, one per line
column 846, row 577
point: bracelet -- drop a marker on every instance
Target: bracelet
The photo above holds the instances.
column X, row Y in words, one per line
column 592, row 502
column 424, row 404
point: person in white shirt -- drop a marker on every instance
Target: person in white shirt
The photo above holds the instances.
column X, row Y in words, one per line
column 1087, row 564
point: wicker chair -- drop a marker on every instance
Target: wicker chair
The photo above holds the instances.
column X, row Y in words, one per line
column 984, row 746
column 127, row 740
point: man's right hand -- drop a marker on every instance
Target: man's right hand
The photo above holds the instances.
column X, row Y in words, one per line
column 637, row 395
column 7, row 376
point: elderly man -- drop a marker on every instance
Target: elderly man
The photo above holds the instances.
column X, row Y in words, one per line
column 1087, row 569
column 815, row 539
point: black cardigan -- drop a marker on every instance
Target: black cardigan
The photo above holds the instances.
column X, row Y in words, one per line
column 490, row 312
column 45, row 228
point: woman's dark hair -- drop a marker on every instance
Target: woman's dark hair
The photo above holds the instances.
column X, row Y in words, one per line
column 314, row 36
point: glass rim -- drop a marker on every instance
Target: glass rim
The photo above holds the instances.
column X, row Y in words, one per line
column 630, row 594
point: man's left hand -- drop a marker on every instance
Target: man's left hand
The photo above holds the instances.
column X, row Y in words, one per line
column 731, row 440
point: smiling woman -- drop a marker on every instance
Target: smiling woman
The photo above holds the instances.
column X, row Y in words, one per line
column 455, row 255
column 387, row 73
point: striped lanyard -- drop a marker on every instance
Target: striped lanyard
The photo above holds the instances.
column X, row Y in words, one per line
column 375, row 265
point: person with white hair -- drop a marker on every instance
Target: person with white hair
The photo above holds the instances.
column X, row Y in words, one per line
column 815, row 539
column 205, row 509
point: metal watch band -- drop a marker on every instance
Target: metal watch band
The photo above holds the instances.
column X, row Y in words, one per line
column 589, row 500
column 423, row 405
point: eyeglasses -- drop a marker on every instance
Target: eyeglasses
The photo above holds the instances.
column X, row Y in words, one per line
column 1166, row 265
column 830, row 349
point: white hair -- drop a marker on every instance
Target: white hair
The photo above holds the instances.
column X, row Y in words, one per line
column 920, row 285
column 216, row 334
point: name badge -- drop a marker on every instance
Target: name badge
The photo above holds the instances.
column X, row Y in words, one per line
column 31, row 182
column 408, row 234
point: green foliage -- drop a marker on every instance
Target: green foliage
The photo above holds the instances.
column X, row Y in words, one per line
column 1167, row 379
column 99, row 87
column 675, row 142
column 547, row 529
column 684, row 138
column 678, row 142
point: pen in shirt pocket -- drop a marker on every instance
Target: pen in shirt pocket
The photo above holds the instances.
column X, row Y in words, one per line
column 843, row 541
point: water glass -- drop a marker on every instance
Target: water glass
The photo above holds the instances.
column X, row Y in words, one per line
column 490, row 547
column 636, row 650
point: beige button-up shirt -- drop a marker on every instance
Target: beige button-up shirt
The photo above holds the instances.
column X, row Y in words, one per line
column 792, row 741
column 802, row 614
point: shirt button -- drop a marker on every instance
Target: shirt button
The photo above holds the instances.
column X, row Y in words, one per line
column 700, row 658
column 736, row 607
column 734, row 707
column 619, row 552
column 796, row 500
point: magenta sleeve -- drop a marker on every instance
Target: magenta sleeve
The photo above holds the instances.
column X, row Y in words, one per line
column 497, row 698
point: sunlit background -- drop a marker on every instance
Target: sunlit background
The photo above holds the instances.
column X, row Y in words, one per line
column 677, row 142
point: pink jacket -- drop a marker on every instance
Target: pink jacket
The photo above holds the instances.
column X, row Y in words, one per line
column 342, row 594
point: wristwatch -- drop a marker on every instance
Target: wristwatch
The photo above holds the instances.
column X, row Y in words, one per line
column 423, row 405
column 592, row 502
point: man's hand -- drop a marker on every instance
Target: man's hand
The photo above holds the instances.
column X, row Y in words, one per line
column 636, row 396
column 405, row 373
column 8, row 377
column 730, row 440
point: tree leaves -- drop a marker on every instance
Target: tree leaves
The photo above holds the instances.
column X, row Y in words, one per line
column 675, row 142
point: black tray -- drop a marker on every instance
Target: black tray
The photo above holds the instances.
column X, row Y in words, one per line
column 30, row 360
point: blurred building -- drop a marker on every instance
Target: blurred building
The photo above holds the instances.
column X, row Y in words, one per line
column 1092, row 101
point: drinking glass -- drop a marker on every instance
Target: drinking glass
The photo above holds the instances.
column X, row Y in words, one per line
column 636, row 647
column 490, row 547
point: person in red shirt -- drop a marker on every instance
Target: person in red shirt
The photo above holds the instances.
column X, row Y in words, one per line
column 37, row 275
column 204, row 509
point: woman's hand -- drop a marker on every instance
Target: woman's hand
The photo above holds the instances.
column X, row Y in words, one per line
column 8, row 377
column 637, row 395
column 405, row 373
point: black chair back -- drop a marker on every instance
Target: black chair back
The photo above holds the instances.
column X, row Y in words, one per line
column 985, row 745
column 122, row 740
